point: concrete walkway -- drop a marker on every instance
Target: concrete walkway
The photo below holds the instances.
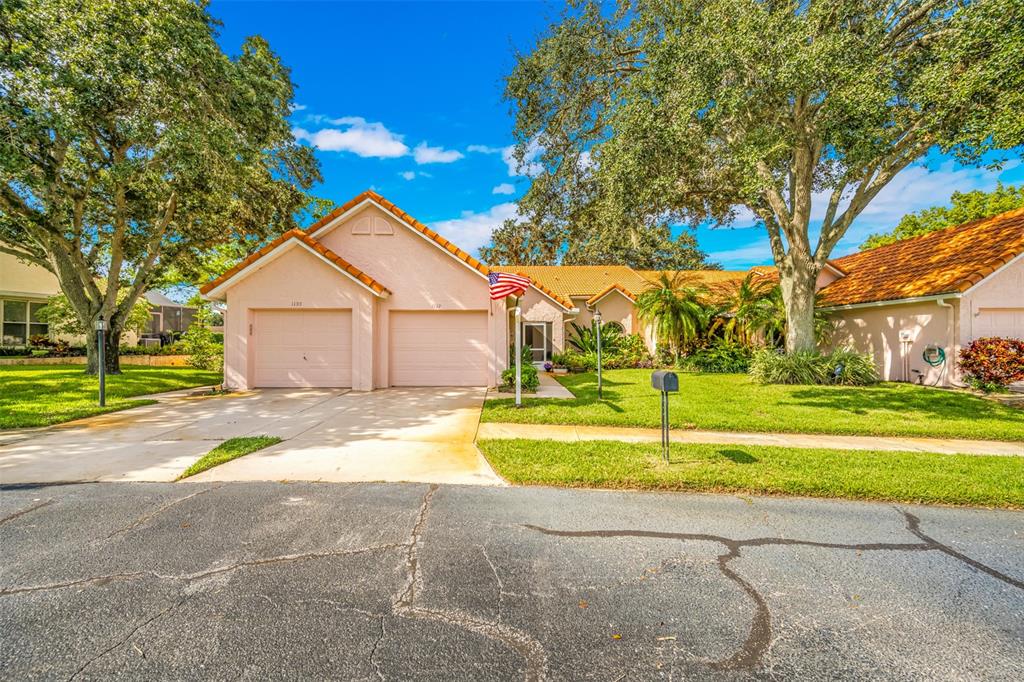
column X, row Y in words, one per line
column 549, row 388
column 946, row 446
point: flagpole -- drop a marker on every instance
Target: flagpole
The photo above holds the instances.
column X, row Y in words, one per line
column 519, row 355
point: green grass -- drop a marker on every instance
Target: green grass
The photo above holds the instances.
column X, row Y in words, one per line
column 732, row 402
column 860, row 475
column 230, row 449
column 40, row 395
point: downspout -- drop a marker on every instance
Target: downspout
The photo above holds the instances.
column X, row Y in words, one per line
column 951, row 340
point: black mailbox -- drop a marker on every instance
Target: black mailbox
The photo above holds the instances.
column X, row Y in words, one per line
column 663, row 380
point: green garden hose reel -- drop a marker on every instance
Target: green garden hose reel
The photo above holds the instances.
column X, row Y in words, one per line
column 934, row 355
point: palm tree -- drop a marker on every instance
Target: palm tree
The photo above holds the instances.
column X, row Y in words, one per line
column 749, row 309
column 673, row 306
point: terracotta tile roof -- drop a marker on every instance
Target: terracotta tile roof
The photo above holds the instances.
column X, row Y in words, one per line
column 942, row 262
column 405, row 217
column 607, row 290
column 300, row 235
column 706, row 277
column 579, row 281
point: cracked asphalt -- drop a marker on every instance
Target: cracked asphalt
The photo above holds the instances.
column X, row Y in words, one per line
column 414, row 581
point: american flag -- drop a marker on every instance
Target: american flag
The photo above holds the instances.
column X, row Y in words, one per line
column 506, row 284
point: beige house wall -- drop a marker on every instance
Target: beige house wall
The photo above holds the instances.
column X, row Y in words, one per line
column 876, row 330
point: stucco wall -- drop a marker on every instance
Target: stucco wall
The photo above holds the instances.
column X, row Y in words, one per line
column 295, row 280
column 539, row 308
column 877, row 330
column 1001, row 294
column 28, row 281
column 420, row 276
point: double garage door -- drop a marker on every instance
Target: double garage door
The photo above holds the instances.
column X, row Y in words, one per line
column 313, row 348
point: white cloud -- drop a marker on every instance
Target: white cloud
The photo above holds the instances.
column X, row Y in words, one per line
column 473, row 230
column 483, row 149
column 530, row 167
column 755, row 252
column 504, row 188
column 424, row 153
column 408, row 175
column 357, row 136
column 297, row 107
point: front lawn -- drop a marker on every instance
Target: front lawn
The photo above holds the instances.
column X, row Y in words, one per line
column 863, row 475
column 732, row 402
column 39, row 395
column 232, row 448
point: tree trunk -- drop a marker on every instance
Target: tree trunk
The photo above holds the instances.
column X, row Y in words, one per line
column 798, row 296
column 111, row 352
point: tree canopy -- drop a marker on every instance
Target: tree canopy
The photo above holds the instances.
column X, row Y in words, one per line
column 691, row 110
column 132, row 145
column 964, row 207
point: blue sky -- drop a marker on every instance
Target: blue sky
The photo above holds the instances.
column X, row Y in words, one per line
column 405, row 98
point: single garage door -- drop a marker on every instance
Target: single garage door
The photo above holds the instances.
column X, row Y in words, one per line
column 303, row 348
column 1006, row 322
column 439, row 348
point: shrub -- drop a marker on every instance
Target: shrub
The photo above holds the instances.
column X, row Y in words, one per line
column 721, row 356
column 843, row 367
column 584, row 339
column 631, row 353
column 993, row 363
column 530, row 378
column 198, row 343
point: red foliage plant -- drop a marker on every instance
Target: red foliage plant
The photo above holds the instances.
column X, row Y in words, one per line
column 993, row 360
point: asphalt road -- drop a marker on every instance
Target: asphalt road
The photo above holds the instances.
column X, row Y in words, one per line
column 406, row 581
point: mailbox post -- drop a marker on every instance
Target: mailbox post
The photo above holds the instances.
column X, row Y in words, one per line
column 101, row 326
column 666, row 382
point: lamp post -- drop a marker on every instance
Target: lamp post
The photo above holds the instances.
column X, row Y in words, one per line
column 597, row 324
column 101, row 327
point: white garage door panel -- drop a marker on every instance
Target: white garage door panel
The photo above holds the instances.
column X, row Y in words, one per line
column 1006, row 322
column 303, row 348
column 439, row 348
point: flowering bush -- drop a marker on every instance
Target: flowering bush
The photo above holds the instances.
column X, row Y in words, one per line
column 992, row 363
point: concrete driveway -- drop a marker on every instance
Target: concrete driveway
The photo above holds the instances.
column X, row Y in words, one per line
column 418, row 434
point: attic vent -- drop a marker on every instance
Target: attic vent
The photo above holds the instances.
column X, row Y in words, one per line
column 362, row 225
column 382, row 226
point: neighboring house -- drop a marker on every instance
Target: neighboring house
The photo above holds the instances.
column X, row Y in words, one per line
column 368, row 297
column 939, row 291
column 25, row 288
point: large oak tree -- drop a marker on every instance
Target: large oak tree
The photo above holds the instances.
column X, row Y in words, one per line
column 130, row 144
column 799, row 111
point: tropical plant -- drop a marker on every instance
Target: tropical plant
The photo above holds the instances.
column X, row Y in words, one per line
column 720, row 355
column 132, row 145
column 584, row 339
column 673, row 306
column 841, row 366
column 631, row 114
column 749, row 311
column 199, row 344
column 993, row 363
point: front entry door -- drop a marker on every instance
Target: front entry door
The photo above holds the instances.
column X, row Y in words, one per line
column 537, row 337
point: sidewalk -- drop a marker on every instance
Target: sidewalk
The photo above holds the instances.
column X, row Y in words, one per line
column 549, row 388
column 947, row 446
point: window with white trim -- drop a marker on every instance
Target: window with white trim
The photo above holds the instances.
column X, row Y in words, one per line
column 21, row 321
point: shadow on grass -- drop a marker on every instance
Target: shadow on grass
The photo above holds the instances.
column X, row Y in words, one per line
column 739, row 456
column 911, row 400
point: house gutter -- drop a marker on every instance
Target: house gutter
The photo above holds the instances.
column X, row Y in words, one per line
column 892, row 301
column 950, row 340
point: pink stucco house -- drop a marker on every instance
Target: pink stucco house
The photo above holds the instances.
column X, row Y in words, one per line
column 368, row 297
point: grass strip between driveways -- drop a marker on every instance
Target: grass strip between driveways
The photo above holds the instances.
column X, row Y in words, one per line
column 40, row 395
column 734, row 402
column 764, row 470
column 232, row 448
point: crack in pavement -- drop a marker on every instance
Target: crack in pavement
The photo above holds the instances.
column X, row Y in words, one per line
column 404, row 606
column 760, row 633
column 26, row 510
column 160, row 510
column 192, row 577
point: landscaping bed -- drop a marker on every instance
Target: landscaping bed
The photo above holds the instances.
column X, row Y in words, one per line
column 733, row 402
column 764, row 470
column 39, row 395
